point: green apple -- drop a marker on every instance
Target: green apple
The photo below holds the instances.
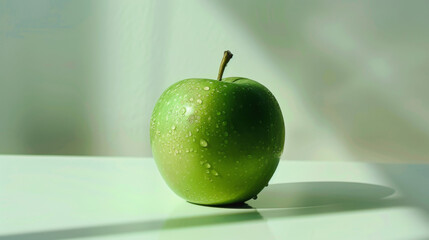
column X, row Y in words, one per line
column 219, row 141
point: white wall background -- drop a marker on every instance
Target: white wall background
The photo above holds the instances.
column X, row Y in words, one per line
column 82, row 77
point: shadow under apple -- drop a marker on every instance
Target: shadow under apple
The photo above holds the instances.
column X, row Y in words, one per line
column 313, row 194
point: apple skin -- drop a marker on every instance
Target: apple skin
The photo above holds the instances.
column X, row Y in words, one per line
column 217, row 142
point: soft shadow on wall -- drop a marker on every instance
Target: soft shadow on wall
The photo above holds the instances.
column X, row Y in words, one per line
column 360, row 66
column 80, row 77
column 44, row 77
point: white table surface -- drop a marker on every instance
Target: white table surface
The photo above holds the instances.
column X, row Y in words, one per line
column 60, row 197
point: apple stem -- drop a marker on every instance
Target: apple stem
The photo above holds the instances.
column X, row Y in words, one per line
column 227, row 55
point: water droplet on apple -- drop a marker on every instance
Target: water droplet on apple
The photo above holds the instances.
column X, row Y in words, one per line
column 190, row 133
column 203, row 143
column 183, row 111
column 199, row 101
column 214, row 172
column 191, row 99
column 207, row 171
column 218, row 113
column 206, row 88
column 207, row 165
column 255, row 197
column 224, row 123
column 173, row 127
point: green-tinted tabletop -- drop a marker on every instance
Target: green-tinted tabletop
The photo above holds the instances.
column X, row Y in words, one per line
column 56, row 197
